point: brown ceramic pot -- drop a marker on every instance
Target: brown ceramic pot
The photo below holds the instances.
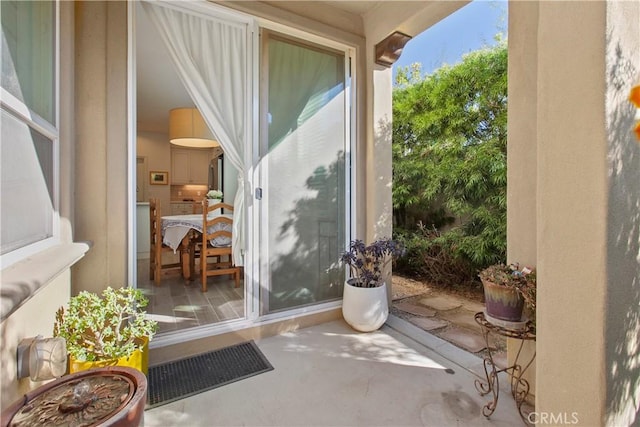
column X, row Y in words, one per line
column 502, row 302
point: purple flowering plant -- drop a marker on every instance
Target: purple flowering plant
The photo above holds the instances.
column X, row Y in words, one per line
column 367, row 263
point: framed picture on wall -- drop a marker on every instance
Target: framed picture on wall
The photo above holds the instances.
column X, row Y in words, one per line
column 158, row 178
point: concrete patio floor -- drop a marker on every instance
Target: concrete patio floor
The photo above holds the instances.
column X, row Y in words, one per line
column 330, row 375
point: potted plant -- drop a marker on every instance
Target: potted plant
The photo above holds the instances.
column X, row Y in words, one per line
column 507, row 290
column 364, row 304
column 214, row 197
column 106, row 330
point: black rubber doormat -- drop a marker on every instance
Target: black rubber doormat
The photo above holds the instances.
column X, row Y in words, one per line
column 186, row 377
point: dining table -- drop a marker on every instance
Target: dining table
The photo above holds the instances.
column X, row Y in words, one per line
column 178, row 231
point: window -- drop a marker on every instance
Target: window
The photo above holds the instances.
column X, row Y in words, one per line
column 29, row 128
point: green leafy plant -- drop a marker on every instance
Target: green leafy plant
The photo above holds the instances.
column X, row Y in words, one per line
column 214, row 194
column 449, row 153
column 104, row 327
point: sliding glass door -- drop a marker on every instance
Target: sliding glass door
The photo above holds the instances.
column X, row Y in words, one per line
column 303, row 173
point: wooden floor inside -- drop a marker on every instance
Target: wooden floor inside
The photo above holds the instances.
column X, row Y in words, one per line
column 177, row 304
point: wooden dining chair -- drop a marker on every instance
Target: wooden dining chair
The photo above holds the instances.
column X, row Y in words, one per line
column 217, row 228
column 196, row 239
column 156, row 267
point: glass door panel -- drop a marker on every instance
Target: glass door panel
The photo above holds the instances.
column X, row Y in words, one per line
column 302, row 161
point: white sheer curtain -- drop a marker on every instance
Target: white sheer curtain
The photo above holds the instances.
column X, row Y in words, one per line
column 210, row 57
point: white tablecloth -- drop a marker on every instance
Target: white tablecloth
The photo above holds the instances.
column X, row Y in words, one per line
column 175, row 227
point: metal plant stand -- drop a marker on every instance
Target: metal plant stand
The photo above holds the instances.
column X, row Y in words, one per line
column 519, row 386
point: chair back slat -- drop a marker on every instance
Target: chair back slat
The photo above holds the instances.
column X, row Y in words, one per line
column 209, row 234
column 156, row 247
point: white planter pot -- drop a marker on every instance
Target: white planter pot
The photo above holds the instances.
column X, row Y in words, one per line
column 365, row 309
column 214, row 202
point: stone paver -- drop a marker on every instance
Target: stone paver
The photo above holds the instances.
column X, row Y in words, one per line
column 472, row 306
column 451, row 317
column 414, row 309
column 464, row 338
column 428, row 324
column 462, row 318
column 441, row 302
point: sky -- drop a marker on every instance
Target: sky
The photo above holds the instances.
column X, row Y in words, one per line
column 470, row 28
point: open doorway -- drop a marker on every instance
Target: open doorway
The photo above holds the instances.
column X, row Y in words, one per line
column 177, row 179
column 295, row 218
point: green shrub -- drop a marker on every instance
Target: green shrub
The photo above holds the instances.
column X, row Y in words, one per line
column 450, row 160
column 429, row 256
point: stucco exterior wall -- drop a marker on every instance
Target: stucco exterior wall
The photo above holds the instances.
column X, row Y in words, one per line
column 101, row 143
column 522, row 134
column 571, row 218
column 574, row 187
column 622, row 330
column 34, row 317
column 45, row 276
column 522, row 154
column 571, row 210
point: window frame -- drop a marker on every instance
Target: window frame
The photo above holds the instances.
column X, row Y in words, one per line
column 20, row 111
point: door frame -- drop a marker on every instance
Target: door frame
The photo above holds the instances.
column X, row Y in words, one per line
column 251, row 176
column 313, row 42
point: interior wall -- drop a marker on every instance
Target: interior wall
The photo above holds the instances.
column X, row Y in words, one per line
column 101, row 172
column 156, row 148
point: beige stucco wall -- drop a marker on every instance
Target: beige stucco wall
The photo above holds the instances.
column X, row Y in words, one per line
column 571, row 209
column 561, row 213
column 35, row 317
column 101, row 143
column 575, row 198
column 522, row 155
column 46, row 274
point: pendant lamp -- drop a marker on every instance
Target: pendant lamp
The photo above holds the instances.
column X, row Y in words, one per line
column 188, row 129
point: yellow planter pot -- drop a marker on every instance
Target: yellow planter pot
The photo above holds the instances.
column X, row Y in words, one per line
column 138, row 360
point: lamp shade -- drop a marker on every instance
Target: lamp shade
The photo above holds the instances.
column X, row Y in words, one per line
column 188, row 129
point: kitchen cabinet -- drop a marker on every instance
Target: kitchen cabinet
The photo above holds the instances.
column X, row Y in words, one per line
column 181, row 208
column 190, row 166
